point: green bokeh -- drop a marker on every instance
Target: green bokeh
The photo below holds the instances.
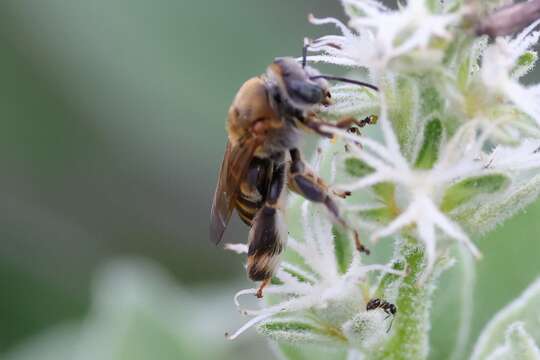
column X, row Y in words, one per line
column 111, row 135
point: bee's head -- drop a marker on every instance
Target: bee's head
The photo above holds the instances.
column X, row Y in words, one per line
column 297, row 84
column 302, row 86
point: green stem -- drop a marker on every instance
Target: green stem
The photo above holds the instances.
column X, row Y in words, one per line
column 409, row 339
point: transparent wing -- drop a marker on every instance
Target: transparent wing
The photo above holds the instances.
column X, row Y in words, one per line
column 233, row 169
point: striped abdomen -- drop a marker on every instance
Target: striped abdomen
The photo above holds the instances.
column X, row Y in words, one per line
column 247, row 205
column 253, row 189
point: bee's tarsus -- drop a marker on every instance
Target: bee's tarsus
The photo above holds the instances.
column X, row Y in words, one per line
column 359, row 246
column 342, row 194
column 259, row 293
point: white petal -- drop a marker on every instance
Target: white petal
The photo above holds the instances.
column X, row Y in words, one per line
column 237, row 248
column 406, row 218
column 332, row 60
column 249, row 324
column 366, row 181
column 426, row 232
column 329, row 20
column 451, row 228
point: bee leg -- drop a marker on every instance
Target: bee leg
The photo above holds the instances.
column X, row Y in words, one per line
column 268, row 234
column 349, row 121
column 259, row 293
column 315, row 124
column 310, row 186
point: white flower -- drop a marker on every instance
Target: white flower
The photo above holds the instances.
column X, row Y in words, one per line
column 316, row 288
column 521, row 158
column 421, row 187
column 498, row 63
column 350, row 49
column 382, row 34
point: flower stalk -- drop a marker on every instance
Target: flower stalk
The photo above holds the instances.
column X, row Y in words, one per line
column 454, row 153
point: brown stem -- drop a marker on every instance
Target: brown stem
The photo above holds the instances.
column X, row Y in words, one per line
column 509, row 19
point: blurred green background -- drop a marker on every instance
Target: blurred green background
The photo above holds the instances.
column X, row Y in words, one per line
column 111, row 135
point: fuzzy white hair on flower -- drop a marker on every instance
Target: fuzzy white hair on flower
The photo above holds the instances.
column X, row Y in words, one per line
column 421, row 186
column 497, row 73
column 381, row 34
column 315, row 288
column 520, row 158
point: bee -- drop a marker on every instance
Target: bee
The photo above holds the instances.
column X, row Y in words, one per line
column 265, row 122
column 389, row 308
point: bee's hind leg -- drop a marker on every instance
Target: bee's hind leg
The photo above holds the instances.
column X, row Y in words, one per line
column 304, row 182
column 268, row 233
column 259, row 293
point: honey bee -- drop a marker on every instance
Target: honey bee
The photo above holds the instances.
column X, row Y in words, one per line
column 389, row 308
column 262, row 157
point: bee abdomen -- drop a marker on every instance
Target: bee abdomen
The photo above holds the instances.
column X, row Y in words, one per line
column 247, row 206
column 251, row 188
column 267, row 239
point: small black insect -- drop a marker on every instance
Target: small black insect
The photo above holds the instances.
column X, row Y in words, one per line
column 384, row 305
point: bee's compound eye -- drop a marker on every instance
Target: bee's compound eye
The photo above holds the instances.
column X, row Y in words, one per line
column 353, row 130
column 305, row 92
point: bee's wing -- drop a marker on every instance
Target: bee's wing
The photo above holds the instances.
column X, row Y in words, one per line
column 233, row 168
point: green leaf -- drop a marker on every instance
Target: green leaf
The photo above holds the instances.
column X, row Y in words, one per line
column 357, row 167
column 381, row 214
column 299, row 331
column 343, row 249
column 518, row 345
column 496, row 209
column 466, row 60
column 434, row 6
column 386, row 192
column 309, row 352
column 467, row 189
column 453, row 51
column 524, row 309
column 429, row 152
column 297, row 274
column 453, row 308
column 351, row 101
column 464, row 73
column 403, row 99
column 432, row 101
column 524, row 63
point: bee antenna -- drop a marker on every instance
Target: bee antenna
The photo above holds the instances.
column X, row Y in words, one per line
column 342, row 79
column 307, row 42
